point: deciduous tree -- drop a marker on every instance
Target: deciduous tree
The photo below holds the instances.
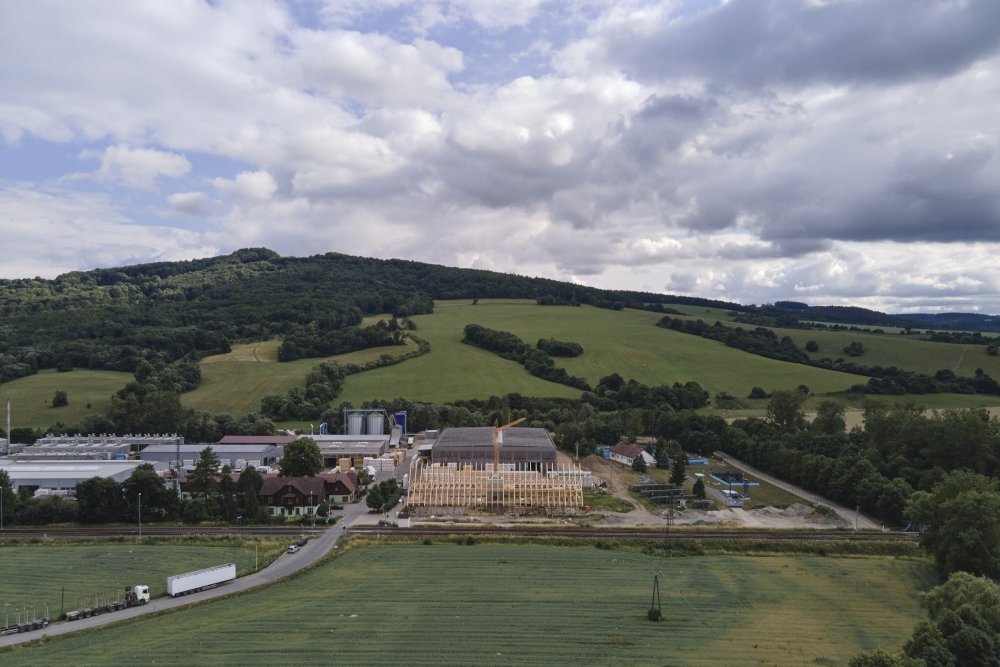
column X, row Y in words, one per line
column 302, row 458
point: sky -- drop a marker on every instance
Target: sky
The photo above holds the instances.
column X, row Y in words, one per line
column 833, row 152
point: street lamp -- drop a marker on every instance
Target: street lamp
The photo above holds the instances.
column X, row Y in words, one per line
column 140, row 515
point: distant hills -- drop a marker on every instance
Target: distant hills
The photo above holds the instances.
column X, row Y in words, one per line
column 115, row 318
column 855, row 315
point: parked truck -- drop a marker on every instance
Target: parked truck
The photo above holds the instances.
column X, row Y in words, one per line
column 189, row 582
column 100, row 604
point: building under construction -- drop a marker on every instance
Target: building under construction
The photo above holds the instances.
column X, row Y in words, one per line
column 522, row 475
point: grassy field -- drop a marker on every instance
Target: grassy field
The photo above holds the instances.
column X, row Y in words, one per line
column 626, row 342
column 89, row 393
column 35, row 574
column 235, row 382
column 445, row 604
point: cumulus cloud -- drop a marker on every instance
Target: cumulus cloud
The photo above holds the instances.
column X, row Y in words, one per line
column 135, row 167
column 190, row 203
column 253, row 185
column 52, row 230
column 842, row 151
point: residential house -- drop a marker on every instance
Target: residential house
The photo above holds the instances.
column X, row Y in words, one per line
column 626, row 454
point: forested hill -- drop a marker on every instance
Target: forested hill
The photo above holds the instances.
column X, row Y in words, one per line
column 114, row 318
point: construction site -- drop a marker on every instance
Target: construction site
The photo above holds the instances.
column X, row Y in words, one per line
column 454, row 472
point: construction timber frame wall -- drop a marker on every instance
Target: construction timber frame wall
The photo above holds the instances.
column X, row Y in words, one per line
column 478, row 486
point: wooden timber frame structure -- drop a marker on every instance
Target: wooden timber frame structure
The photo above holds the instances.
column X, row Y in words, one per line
column 479, row 486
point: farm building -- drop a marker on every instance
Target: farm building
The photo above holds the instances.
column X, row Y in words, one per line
column 522, row 448
column 626, row 454
column 63, row 475
column 236, row 457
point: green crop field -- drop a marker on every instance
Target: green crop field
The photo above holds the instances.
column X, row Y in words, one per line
column 624, row 342
column 89, row 393
column 446, row 604
column 34, row 575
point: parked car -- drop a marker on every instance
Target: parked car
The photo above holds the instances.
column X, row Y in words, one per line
column 301, row 543
column 336, row 507
column 294, row 549
column 384, row 522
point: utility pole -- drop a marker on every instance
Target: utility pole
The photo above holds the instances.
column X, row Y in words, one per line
column 140, row 515
column 655, row 613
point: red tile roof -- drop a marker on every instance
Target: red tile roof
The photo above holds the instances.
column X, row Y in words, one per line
column 626, row 450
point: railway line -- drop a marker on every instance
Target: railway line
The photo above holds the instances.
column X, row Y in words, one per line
column 422, row 532
column 641, row 533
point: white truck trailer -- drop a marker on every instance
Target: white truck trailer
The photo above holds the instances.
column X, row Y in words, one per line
column 190, row 582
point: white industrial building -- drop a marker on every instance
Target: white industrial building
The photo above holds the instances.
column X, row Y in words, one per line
column 64, row 475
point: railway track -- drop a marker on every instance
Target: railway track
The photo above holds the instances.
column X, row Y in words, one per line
column 445, row 531
column 642, row 534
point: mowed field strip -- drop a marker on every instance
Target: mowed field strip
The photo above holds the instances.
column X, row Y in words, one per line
column 35, row 574
column 449, row 604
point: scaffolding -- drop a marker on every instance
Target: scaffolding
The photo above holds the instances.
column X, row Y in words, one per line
column 480, row 486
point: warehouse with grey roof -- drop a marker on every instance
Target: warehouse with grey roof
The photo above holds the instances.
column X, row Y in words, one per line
column 524, row 448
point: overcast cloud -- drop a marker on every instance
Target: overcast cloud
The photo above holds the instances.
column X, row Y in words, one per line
column 838, row 151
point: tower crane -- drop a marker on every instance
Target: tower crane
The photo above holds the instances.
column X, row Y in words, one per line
column 498, row 440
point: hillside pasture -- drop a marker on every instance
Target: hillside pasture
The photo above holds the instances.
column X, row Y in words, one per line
column 624, row 342
column 236, row 382
column 485, row 604
column 89, row 393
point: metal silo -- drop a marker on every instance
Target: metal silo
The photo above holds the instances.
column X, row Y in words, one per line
column 355, row 423
column 376, row 423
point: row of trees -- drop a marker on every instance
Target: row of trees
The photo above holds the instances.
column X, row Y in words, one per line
column 534, row 360
column 891, row 380
column 559, row 348
column 314, row 340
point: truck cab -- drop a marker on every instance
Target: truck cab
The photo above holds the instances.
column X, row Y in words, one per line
column 136, row 595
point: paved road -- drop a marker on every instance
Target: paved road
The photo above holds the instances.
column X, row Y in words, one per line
column 284, row 566
column 848, row 515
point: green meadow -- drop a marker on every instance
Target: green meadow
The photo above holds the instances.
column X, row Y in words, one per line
column 625, row 342
column 489, row 604
column 236, row 382
column 35, row 575
column 89, row 393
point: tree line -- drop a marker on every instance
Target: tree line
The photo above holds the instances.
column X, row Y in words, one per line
column 764, row 342
column 534, row 360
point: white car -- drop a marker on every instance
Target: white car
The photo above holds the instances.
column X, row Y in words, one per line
column 294, row 549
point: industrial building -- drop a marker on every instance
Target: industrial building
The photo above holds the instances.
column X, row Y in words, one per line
column 237, row 457
column 350, row 450
column 523, row 448
column 494, row 469
column 73, row 451
column 64, row 475
column 278, row 441
column 135, row 441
